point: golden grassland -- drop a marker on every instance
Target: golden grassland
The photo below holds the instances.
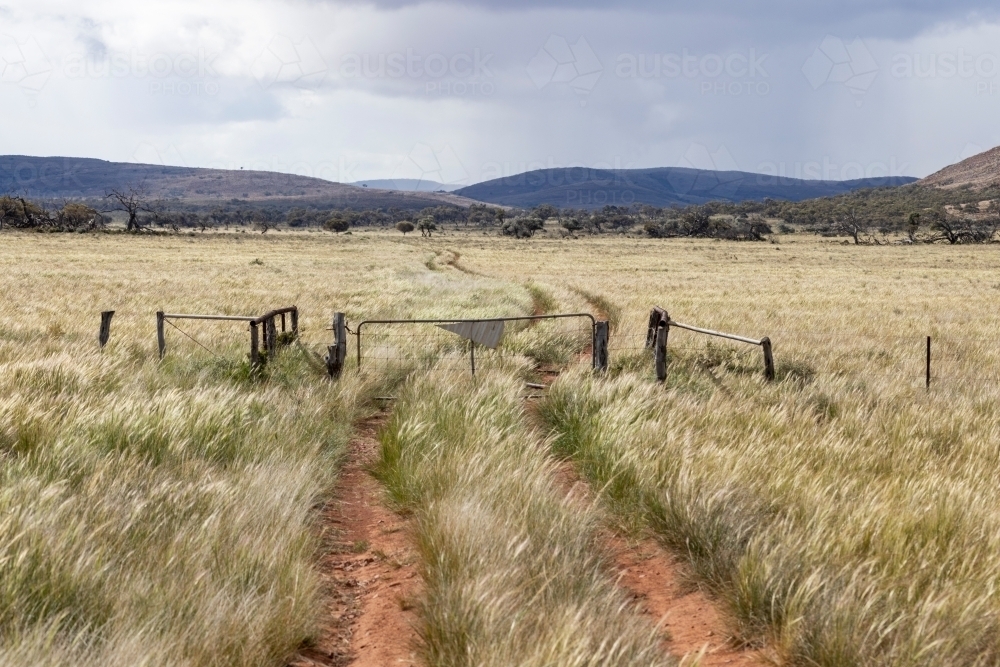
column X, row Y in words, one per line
column 161, row 513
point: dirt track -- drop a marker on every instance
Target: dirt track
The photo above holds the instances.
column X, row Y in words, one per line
column 371, row 579
column 370, row 574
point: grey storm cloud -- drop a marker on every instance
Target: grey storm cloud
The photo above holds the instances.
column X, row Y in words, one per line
column 362, row 90
column 876, row 17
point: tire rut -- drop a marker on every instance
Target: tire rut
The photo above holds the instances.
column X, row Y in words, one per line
column 369, row 571
column 694, row 627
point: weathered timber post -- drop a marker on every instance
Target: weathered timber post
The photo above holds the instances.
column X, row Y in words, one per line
column 254, row 346
column 272, row 338
column 105, row 333
column 282, row 323
column 358, row 336
column 928, row 362
column 295, row 322
column 765, row 344
column 654, row 321
column 472, row 354
column 336, row 353
column 660, row 350
column 601, row 334
column 161, row 339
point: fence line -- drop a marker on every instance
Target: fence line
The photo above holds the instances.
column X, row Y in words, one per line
column 939, row 360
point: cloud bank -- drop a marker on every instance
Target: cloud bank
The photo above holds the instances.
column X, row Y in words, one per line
column 467, row 91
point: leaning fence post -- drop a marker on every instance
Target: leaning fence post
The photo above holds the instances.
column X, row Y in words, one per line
column 601, row 335
column 660, row 349
column 295, row 322
column 337, row 353
column 765, row 344
column 254, row 346
column 105, row 332
column 161, row 339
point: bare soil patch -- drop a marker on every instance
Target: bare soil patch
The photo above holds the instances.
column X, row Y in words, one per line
column 369, row 572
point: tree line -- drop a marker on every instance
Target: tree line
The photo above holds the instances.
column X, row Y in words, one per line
column 908, row 214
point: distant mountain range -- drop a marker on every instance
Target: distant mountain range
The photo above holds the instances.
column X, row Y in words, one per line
column 668, row 186
column 407, row 185
column 61, row 178
column 56, row 178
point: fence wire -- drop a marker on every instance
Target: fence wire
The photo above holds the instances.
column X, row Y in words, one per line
column 900, row 358
column 563, row 343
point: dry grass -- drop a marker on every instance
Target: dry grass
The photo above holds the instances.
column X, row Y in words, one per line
column 160, row 514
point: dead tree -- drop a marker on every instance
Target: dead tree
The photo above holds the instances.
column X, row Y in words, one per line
column 956, row 230
column 856, row 226
column 133, row 200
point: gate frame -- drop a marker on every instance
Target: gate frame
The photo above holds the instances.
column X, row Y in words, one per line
column 268, row 320
column 599, row 347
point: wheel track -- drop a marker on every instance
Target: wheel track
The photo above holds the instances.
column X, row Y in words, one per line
column 369, row 571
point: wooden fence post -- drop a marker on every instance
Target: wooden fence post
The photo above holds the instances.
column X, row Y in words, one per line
column 254, row 346
column 283, row 323
column 105, row 333
column 765, row 344
column 272, row 338
column 660, row 350
column 337, row 353
column 601, row 335
column 161, row 339
column 928, row 362
column 295, row 323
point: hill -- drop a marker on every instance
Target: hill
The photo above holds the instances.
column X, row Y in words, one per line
column 977, row 173
column 60, row 178
column 668, row 186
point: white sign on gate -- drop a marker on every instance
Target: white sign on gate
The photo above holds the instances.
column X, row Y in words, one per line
column 485, row 332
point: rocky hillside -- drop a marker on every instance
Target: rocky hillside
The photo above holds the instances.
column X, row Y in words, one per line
column 978, row 172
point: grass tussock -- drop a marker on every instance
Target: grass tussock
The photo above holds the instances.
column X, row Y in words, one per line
column 167, row 520
column 514, row 574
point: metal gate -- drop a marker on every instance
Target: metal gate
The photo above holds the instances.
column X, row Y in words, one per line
column 468, row 345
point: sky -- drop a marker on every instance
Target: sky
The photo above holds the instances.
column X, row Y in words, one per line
column 465, row 91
